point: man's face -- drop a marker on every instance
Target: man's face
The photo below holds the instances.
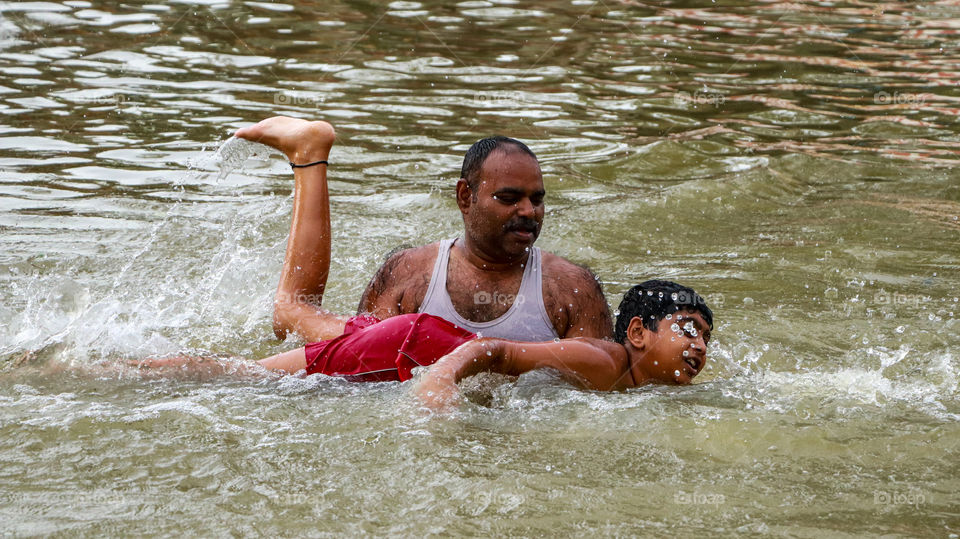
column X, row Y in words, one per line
column 506, row 210
column 678, row 351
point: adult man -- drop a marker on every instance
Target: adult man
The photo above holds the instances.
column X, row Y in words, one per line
column 493, row 281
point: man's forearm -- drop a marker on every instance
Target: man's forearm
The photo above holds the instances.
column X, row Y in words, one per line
column 474, row 357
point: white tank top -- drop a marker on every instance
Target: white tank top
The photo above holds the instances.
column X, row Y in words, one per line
column 525, row 320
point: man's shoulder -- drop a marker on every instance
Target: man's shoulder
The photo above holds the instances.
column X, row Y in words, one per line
column 557, row 267
column 412, row 258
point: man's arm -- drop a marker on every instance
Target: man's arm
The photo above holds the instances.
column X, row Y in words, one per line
column 400, row 284
column 591, row 314
column 576, row 292
column 590, row 363
column 380, row 298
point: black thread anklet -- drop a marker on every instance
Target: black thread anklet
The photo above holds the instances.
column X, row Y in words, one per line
column 308, row 164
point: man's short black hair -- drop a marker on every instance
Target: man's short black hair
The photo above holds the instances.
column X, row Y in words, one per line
column 478, row 153
column 652, row 301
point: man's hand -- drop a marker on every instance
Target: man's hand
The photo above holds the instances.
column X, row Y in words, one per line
column 438, row 391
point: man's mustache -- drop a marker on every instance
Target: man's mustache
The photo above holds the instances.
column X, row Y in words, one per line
column 522, row 224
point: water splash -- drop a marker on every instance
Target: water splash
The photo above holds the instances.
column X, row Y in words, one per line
column 231, row 155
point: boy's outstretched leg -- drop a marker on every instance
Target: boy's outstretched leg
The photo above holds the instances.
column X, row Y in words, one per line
column 307, row 261
column 199, row 368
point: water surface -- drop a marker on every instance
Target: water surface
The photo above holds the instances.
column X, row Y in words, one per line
column 795, row 162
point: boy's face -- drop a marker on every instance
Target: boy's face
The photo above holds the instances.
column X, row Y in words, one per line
column 677, row 351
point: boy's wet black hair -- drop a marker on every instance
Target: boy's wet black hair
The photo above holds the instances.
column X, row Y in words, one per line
column 652, row 301
column 478, row 153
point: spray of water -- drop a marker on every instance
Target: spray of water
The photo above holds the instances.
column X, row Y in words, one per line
column 233, row 153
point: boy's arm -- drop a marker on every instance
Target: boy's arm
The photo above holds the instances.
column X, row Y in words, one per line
column 591, row 363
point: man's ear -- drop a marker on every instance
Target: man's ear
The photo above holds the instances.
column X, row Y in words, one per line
column 637, row 335
column 464, row 195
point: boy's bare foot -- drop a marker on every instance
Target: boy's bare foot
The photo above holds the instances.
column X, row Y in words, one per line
column 301, row 141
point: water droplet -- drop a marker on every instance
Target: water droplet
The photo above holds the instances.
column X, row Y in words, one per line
column 901, row 329
column 674, row 296
column 669, row 317
column 686, row 353
column 676, row 373
column 656, row 362
column 674, row 327
column 489, row 353
column 748, row 301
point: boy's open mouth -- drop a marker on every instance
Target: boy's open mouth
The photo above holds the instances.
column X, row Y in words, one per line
column 693, row 362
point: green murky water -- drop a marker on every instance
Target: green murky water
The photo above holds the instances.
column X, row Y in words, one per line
column 794, row 162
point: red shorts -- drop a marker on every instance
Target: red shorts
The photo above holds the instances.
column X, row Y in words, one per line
column 373, row 351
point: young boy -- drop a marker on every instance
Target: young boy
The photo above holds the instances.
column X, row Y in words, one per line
column 661, row 335
column 661, row 331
